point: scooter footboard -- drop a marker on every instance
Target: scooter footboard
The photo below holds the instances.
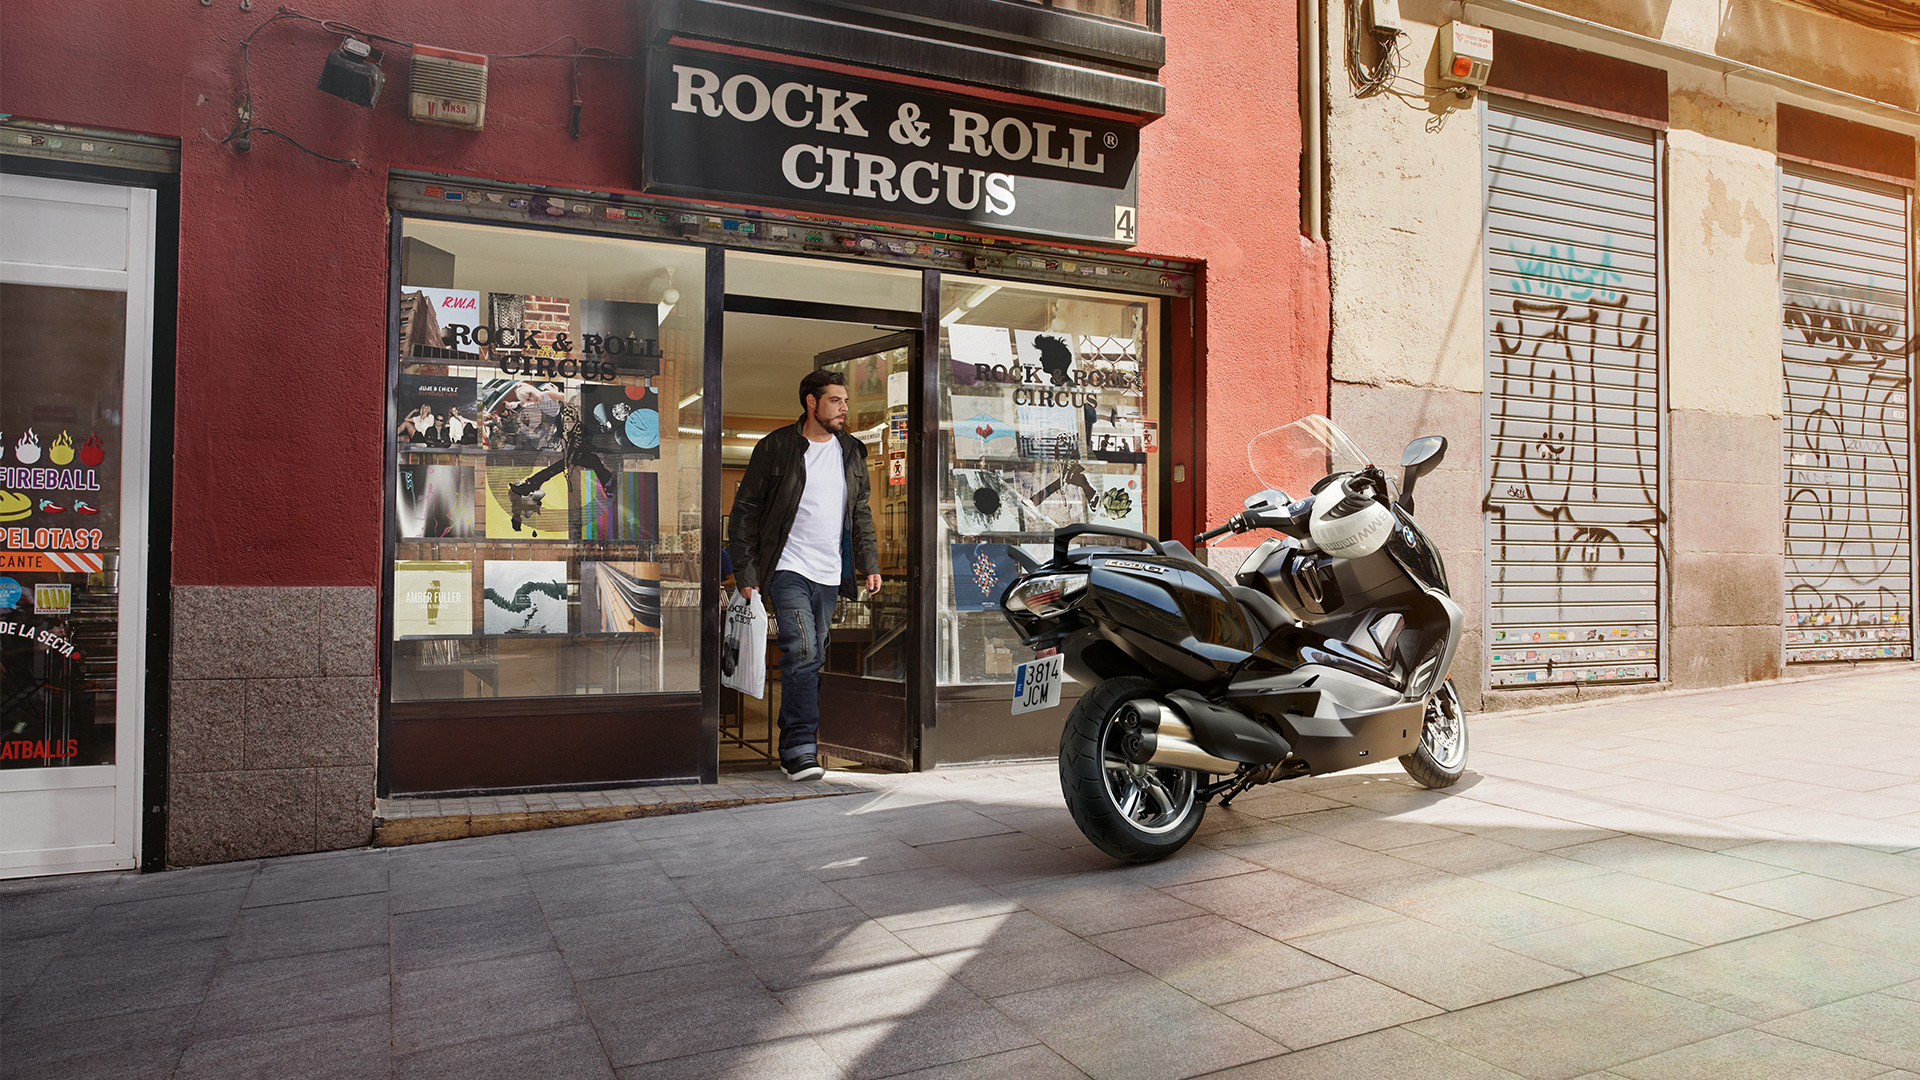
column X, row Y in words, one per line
column 1330, row 744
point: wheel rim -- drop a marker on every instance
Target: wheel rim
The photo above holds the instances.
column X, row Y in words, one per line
column 1153, row 798
column 1444, row 733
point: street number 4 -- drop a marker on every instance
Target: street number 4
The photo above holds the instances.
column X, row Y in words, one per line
column 1124, row 225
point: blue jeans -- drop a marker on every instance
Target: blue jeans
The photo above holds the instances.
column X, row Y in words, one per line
column 804, row 610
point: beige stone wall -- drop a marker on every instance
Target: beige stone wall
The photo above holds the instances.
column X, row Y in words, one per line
column 271, row 737
column 1404, row 202
column 1404, row 208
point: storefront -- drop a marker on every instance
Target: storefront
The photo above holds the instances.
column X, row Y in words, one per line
column 79, row 276
column 1055, row 247
column 552, row 614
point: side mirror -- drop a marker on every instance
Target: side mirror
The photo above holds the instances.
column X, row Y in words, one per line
column 1421, row 457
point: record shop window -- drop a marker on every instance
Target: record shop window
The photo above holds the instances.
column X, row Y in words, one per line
column 546, row 502
column 1049, row 410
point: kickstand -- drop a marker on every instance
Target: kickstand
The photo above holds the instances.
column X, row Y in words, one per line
column 1239, row 785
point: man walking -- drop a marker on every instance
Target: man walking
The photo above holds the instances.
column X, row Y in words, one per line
column 800, row 528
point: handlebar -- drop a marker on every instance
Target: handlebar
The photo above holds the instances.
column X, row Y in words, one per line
column 1233, row 525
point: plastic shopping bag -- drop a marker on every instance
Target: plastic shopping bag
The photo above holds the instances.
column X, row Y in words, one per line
column 743, row 647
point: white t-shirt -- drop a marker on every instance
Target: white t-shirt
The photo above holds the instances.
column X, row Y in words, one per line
column 813, row 546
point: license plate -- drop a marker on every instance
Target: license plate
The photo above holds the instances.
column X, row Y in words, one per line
column 1036, row 684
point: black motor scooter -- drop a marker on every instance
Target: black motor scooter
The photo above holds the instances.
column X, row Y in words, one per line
column 1328, row 650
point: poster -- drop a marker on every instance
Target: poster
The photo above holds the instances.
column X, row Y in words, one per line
column 1048, row 432
column 975, row 347
column 1115, row 433
column 985, row 502
column 630, row 511
column 516, row 414
column 434, row 502
column 432, row 599
column 1050, row 352
column 542, row 512
column 622, row 419
column 981, row 573
column 432, row 321
column 626, row 333
column 437, row 411
column 1116, row 501
column 525, row 597
column 869, row 375
column 982, row 426
column 1054, row 494
column 619, row 598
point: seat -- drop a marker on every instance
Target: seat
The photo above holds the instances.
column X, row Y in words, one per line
column 1267, row 613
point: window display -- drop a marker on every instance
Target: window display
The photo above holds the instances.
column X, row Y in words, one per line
column 61, row 462
column 1046, row 405
column 547, row 516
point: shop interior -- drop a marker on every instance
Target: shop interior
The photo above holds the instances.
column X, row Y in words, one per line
column 549, row 549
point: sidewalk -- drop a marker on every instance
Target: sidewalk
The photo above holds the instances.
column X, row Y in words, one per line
column 1723, row 884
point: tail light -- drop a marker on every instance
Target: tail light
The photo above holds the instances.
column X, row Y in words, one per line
column 1047, row 595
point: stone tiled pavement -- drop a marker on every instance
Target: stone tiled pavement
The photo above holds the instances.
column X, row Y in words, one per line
column 1723, row 884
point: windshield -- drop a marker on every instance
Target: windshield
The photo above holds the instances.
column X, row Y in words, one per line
column 1295, row 457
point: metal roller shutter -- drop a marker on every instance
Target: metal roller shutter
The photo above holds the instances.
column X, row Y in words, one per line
column 1574, row 504
column 1844, row 273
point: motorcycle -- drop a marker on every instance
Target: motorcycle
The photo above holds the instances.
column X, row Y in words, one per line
column 1329, row 649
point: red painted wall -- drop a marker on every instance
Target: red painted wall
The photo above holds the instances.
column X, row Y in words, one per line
column 1220, row 182
column 283, row 257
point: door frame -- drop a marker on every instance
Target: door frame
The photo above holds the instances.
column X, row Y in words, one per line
column 903, row 327
column 915, row 644
column 125, row 778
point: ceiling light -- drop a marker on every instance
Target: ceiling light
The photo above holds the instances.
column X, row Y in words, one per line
column 669, row 296
column 966, row 306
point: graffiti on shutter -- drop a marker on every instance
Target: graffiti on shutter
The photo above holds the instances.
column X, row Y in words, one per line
column 1573, row 504
column 1847, row 359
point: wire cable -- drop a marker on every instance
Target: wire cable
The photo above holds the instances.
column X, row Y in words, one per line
column 241, row 136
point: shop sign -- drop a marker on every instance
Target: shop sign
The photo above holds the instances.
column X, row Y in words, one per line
column 745, row 130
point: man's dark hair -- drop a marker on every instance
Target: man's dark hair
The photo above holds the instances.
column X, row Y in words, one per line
column 817, row 382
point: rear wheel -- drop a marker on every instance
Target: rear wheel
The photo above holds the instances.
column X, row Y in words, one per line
column 1442, row 754
column 1136, row 813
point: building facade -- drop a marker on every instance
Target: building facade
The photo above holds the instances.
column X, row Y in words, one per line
column 1653, row 281
column 332, row 337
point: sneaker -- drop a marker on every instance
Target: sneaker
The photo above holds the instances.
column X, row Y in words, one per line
column 804, row 767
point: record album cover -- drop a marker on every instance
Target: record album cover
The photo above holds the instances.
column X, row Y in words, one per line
column 434, row 502
column 542, row 512
column 985, row 502
column 981, row 573
column 622, row 419
column 432, row 599
column 525, row 597
column 619, row 598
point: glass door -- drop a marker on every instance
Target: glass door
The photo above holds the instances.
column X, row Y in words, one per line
column 76, row 329
column 865, row 680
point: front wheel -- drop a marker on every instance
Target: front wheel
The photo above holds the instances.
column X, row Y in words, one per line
column 1135, row 813
column 1442, row 754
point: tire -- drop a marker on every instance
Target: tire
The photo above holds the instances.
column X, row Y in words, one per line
column 1135, row 813
column 1441, row 757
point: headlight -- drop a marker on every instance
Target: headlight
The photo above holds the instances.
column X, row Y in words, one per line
column 1047, row 595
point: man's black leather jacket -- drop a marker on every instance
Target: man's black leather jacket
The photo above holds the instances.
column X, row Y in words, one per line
column 769, row 498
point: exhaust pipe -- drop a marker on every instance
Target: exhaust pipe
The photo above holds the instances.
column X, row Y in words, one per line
column 1165, row 739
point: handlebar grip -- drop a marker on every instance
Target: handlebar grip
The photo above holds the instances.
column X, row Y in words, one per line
column 1211, row 533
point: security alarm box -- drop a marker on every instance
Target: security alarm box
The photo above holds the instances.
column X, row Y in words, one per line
column 448, row 88
column 1466, row 54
